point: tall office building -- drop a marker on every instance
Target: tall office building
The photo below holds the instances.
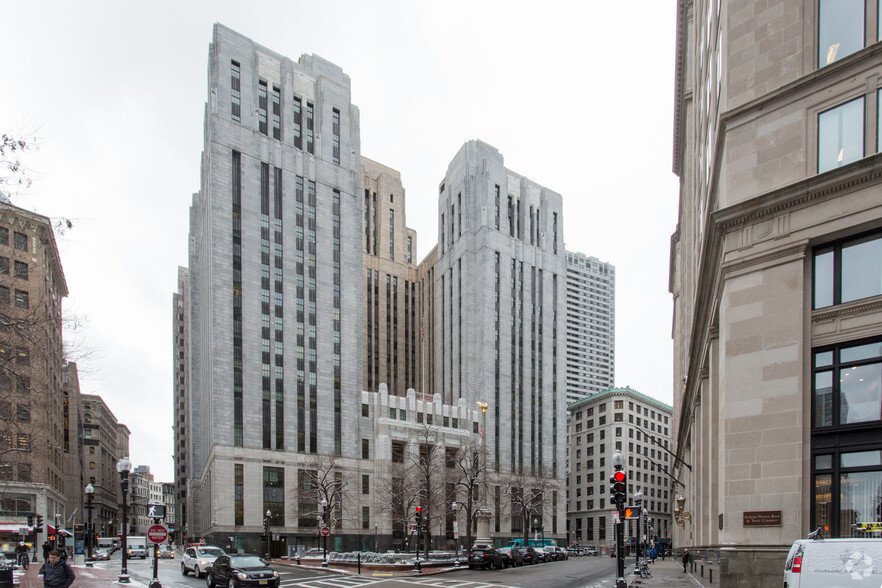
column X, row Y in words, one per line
column 104, row 445
column 34, row 440
column 499, row 336
column 776, row 276
column 391, row 286
column 275, row 286
column 591, row 325
column 618, row 419
column 181, row 400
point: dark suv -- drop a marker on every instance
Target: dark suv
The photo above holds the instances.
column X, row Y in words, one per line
column 531, row 556
column 511, row 556
column 485, row 557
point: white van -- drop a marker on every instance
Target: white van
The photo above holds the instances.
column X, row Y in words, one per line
column 111, row 543
column 136, row 547
column 834, row 563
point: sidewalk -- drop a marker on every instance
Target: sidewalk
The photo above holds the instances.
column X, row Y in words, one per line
column 668, row 573
column 86, row 578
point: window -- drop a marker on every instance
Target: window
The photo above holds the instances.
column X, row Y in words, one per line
column 398, row 451
column 365, row 484
column 840, row 29
column 20, row 241
column 262, row 93
column 841, row 135
column 847, row 385
column 335, row 128
column 21, row 270
column 845, row 490
column 235, row 98
column 310, row 131
column 365, row 517
column 4, row 266
column 298, row 123
column 4, row 295
column 365, row 449
column 365, row 410
column 4, row 236
column 277, row 114
column 847, row 270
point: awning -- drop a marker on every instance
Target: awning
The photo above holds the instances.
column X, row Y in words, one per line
column 64, row 532
column 14, row 527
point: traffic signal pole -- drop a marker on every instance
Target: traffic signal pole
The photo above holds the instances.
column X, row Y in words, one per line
column 618, row 488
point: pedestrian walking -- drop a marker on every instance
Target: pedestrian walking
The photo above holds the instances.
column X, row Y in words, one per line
column 46, row 550
column 685, row 559
column 57, row 573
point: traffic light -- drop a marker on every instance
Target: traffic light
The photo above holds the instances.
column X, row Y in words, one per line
column 30, row 520
column 419, row 514
column 617, row 486
column 39, row 528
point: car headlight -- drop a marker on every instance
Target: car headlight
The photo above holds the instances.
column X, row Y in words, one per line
column 275, row 574
column 242, row 576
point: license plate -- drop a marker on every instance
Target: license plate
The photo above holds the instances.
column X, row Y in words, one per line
column 262, row 582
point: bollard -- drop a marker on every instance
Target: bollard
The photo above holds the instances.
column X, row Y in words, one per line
column 710, row 576
column 702, row 571
column 359, row 563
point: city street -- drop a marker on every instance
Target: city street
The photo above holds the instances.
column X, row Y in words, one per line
column 581, row 572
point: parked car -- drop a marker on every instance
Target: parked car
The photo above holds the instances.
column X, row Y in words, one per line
column 485, row 557
column 511, row 556
column 589, row 550
column 101, row 554
column 820, row 563
column 235, row 571
column 198, row 558
column 561, row 553
column 531, row 556
column 550, row 553
column 166, row 552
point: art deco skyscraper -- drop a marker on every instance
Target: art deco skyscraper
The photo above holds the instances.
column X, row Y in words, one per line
column 274, row 284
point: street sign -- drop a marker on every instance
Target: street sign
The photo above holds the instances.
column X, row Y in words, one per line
column 157, row 534
column 156, row 511
column 326, row 531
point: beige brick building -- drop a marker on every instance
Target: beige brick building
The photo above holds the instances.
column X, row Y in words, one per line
column 776, row 276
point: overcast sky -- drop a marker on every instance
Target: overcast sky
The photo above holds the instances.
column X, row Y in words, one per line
column 576, row 96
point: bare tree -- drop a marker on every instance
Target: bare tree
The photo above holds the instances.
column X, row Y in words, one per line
column 526, row 499
column 468, row 481
column 321, row 478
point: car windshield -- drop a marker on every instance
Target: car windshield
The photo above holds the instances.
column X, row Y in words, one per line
column 210, row 551
column 246, row 562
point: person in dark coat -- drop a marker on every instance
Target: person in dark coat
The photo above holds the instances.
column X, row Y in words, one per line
column 46, row 549
column 685, row 559
column 57, row 573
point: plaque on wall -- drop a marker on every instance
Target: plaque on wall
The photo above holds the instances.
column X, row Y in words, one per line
column 762, row 518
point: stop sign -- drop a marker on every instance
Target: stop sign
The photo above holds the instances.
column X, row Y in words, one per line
column 326, row 531
column 157, row 534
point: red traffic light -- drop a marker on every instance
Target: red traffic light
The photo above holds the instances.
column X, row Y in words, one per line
column 619, row 476
column 419, row 509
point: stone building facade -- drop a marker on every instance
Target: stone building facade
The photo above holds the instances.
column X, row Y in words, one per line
column 775, row 277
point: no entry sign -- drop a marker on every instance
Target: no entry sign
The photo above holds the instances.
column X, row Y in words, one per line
column 157, row 534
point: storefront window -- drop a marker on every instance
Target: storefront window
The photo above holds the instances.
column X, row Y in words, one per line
column 860, row 502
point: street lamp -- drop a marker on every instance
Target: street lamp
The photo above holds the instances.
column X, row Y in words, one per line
column 455, row 508
column 90, row 490
column 638, row 502
column 324, row 537
column 266, row 531
column 124, row 466
column 680, row 513
column 376, row 538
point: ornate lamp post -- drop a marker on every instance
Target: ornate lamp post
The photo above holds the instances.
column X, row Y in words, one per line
column 266, row 530
column 124, row 466
column 325, row 537
column 90, row 490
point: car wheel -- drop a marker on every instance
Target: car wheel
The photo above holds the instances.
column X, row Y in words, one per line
column 184, row 571
column 209, row 580
column 231, row 583
column 196, row 571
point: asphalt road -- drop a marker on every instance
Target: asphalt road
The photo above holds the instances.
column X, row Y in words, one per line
column 577, row 572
